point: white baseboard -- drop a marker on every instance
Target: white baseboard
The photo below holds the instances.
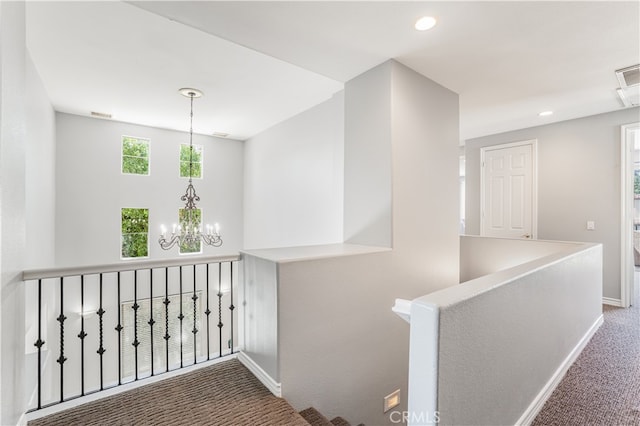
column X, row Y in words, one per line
column 273, row 386
column 536, row 405
column 612, row 302
column 22, row 421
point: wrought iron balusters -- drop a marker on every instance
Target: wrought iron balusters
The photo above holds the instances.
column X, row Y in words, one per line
column 181, row 317
column 119, row 328
column 82, row 335
column 195, row 318
column 207, row 312
column 101, row 350
column 220, row 324
column 135, row 308
column 151, row 321
column 89, row 360
column 166, row 302
column 61, row 319
column 231, row 307
column 38, row 344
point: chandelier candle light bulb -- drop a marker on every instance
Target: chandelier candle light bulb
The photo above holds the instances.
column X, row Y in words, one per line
column 192, row 228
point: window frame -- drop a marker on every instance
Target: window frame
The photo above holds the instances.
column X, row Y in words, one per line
column 122, row 234
column 127, row 352
column 122, row 155
column 201, row 162
column 180, row 252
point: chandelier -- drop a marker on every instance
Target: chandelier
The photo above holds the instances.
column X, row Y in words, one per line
column 189, row 231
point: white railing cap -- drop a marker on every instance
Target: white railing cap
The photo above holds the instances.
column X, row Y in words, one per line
column 125, row 265
column 402, row 308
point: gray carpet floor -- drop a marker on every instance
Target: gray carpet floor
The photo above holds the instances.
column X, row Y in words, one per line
column 603, row 386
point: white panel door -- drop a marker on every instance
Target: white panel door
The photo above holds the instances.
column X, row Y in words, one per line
column 508, row 181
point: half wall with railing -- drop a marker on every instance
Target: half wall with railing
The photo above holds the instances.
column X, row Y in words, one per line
column 492, row 349
column 89, row 329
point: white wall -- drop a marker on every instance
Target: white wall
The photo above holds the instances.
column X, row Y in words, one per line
column 481, row 256
column 496, row 356
column 91, row 189
column 425, row 162
column 40, row 194
column 401, row 168
column 294, row 180
column 578, row 180
column 13, row 141
column 40, row 191
column 368, row 171
column 334, row 311
column 260, row 312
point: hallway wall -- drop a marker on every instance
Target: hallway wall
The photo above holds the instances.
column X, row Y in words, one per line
column 578, row 181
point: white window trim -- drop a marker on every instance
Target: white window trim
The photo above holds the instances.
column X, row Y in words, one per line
column 201, row 243
column 122, row 172
column 201, row 160
column 132, row 233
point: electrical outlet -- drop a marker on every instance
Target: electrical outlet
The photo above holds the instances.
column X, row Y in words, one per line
column 591, row 225
column 392, row 400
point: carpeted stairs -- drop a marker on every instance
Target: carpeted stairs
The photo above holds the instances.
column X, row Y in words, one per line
column 315, row 418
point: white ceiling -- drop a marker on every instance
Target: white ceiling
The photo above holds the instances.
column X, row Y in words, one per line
column 259, row 63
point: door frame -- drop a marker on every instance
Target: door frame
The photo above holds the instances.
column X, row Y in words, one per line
column 534, row 182
column 626, row 207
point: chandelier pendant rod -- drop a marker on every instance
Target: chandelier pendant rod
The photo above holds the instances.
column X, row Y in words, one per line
column 192, row 232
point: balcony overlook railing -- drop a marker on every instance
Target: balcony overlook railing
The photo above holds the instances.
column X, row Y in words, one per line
column 98, row 327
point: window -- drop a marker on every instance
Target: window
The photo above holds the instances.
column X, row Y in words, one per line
column 196, row 161
column 135, row 233
column 143, row 330
column 193, row 217
column 135, row 156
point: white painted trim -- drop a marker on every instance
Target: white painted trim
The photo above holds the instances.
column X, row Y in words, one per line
column 424, row 352
column 534, row 181
column 626, row 214
column 536, row 405
column 22, row 421
column 612, row 302
column 273, row 386
column 126, row 265
column 124, row 387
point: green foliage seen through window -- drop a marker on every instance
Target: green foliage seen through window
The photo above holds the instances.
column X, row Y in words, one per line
column 196, row 161
column 135, row 156
column 135, row 232
column 193, row 216
column 636, row 182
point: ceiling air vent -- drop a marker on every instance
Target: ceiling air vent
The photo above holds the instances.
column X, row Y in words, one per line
column 220, row 135
column 629, row 91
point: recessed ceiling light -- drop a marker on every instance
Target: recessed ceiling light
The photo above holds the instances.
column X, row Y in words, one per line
column 545, row 113
column 425, row 23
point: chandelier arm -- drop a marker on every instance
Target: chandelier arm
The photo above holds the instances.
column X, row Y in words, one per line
column 168, row 244
column 212, row 239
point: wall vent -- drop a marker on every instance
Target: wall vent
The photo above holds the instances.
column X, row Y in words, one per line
column 629, row 76
column 100, row 114
column 629, row 91
column 220, row 134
